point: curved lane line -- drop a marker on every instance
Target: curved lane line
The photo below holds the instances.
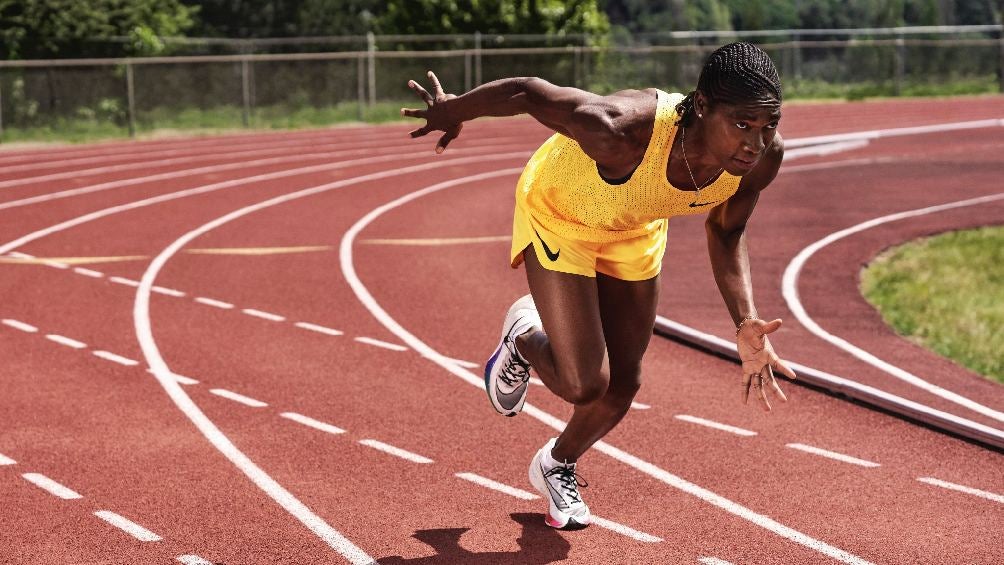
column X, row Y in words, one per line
column 789, row 288
column 364, row 296
column 160, row 369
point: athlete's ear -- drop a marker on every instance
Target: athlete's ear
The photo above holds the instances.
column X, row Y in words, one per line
column 701, row 103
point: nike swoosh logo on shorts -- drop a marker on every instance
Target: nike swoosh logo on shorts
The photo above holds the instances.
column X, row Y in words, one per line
column 696, row 205
column 547, row 250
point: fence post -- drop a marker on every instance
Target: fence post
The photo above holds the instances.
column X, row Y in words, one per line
column 361, row 86
column 477, row 58
column 900, row 65
column 245, row 93
column 131, row 100
column 467, row 70
column 371, row 57
column 796, row 52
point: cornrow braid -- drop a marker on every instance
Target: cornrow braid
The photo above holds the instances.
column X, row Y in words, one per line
column 735, row 73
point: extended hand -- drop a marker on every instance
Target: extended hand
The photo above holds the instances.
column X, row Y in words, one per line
column 759, row 360
column 436, row 119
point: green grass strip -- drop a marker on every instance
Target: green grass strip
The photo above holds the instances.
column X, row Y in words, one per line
column 946, row 293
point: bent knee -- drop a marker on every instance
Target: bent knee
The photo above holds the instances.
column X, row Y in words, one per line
column 588, row 390
column 625, row 383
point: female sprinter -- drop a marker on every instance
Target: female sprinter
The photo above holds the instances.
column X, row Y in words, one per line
column 590, row 225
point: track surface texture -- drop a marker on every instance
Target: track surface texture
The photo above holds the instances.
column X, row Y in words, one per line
column 260, row 349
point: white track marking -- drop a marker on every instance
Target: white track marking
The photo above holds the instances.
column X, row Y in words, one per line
column 193, row 560
column 264, row 315
column 63, row 340
column 832, row 455
column 109, row 356
column 56, row 265
column 144, row 334
column 318, row 329
column 968, row 490
column 124, row 281
column 300, row 418
column 214, row 303
column 395, row 451
column 624, row 530
column 88, row 272
column 824, row 149
column 639, row 406
column 4, row 460
column 51, row 486
column 893, row 132
column 19, row 255
column 497, row 486
column 467, row 364
column 19, row 325
column 127, row 526
column 181, row 379
column 327, row 166
column 713, row 561
column 364, row 296
column 168, row 291
column 789, row 288
column 378, row 343
column 245, row 400
column 715, row 425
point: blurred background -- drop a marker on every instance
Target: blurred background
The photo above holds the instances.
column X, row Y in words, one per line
column 76, row 70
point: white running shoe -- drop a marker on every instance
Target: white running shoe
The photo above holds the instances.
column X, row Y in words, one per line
column 559, row 484
column 506, row 373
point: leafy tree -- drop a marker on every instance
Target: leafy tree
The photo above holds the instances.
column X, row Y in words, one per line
column 491, row 16
column 72, row 28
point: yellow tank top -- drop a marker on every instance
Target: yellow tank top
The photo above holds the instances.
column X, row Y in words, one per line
column 563, row 190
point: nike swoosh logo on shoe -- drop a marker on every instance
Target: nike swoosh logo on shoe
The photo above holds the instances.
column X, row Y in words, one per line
column 509, row 401
column 553, row 256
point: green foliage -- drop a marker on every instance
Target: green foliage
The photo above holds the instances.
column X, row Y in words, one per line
column 944, row 292
column 35, row 29
column 491, row 16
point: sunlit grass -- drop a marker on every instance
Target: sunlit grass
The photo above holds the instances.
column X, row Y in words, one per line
column 946, row 293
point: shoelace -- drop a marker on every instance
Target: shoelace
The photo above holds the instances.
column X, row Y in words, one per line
column 516, row 371
column 570, row 481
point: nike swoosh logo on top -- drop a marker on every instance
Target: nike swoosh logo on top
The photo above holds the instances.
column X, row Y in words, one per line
column 698, row 205
column 547, row 250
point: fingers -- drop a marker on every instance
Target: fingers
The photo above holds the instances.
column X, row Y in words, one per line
column 774, row 386
column 421, row 92
column 412, row 113
column 436, row 87
column 771, row 326
column 747, row 378
column 762, row 391
column 447, row 138
column 784, row 369
column 420, row 131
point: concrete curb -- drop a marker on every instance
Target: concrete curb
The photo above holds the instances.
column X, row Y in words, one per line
column 943, row 421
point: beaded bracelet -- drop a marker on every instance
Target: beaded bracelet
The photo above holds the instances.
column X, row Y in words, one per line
column 739, row 326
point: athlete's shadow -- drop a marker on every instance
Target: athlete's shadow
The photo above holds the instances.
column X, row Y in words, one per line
column 538, row 544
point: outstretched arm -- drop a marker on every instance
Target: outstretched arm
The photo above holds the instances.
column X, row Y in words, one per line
column 726, row 229
column 599, row 123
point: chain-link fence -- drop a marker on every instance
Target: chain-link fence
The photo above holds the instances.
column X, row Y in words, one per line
column 291, row 89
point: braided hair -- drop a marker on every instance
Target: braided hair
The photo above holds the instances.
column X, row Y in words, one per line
column 735, row 73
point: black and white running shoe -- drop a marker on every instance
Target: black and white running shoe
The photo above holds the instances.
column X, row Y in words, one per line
column 559, row 484
column 507, row 374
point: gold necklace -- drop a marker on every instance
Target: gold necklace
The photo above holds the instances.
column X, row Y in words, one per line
column 683, row 146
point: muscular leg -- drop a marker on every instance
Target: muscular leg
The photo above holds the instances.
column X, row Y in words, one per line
column 626, row 315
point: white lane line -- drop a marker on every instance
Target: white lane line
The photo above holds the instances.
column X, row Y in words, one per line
column 109, row 356
column 127, row 526
column 193, row 560
column 19, row 255
column 263, row 315
column 63, row 340
column 300, row 418
column 168, row 291
column 832, row 455
column 383, row 344
column 395, row 451
column 893, row 132
column 51, row 486
column 144, row 330
column 19, row 325
column 500, row 487
column 88, row 272
column 364, row 296
column 624, row 530
column 212, row 302
column 466, row 364
column 789, row 288
column 56, row 264
column 318, row 329
column 245, row 400
column 713, row 561
column 640, row 406
column 824, row 149
column 4, row 460
column 961, row 488
column 180, row 379
column 715, row 425
column 125, row 281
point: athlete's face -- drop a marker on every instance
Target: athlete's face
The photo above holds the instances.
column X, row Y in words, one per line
column 737, row 135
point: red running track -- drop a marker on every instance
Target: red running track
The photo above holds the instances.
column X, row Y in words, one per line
column 296, row 334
